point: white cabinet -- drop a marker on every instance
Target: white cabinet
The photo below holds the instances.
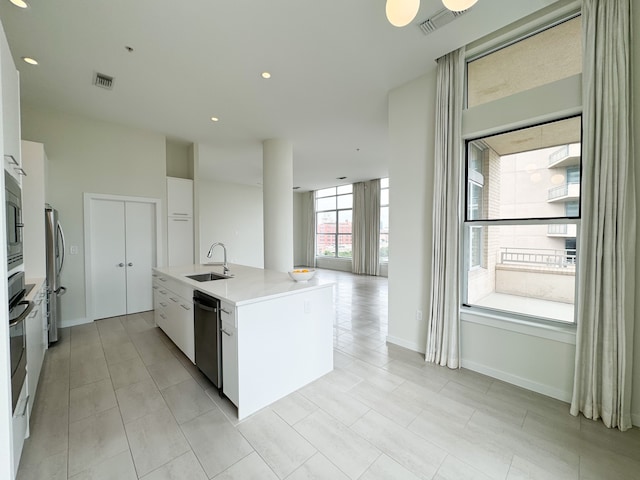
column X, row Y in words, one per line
column 20, row 423
column 37, row 341
column 179, row 197
column 229, row 352
column 35, row 162
column 180, row 234
column 10, row 112
column 179, row 221
column 173, row 313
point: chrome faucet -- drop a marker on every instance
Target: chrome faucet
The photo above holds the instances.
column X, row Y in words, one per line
column 225, row 267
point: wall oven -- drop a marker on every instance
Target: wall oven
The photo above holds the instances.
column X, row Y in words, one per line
column 19, row 309
column 13, row 200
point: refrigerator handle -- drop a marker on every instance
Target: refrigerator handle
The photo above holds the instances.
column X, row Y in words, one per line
column 59, row 228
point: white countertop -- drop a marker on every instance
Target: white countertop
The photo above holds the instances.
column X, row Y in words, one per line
column 249, row 284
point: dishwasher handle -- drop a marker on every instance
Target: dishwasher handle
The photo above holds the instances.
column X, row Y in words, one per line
column 204, row 306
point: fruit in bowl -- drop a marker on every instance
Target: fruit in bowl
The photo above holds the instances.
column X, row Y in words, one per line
column 302, row 274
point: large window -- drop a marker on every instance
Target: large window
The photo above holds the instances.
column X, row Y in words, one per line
column 334, row 211
column 522, row 180
column 384, row 220
column 521, row 223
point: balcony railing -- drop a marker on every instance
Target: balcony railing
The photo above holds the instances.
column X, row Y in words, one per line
column 565, row 156
column 566, row 191
column 538, row 257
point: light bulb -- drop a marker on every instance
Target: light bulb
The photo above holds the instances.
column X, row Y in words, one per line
column 458, row 5
column 402, row 12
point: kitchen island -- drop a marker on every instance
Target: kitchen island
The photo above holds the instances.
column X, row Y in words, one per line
column 278, row 334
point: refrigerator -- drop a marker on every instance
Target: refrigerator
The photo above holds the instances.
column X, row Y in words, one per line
column 55, row 249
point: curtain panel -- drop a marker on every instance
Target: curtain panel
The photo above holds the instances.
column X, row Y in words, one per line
column 309, row 208
column 366, row 228
column 606, row 260
column 444, row 313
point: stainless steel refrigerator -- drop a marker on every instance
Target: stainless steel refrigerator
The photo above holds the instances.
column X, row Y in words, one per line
column 55, row 261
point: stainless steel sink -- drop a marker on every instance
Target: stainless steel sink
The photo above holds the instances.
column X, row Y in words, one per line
column 207, row 277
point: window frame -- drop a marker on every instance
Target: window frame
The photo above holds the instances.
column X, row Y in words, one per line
column 384, row 205
column 337, row 234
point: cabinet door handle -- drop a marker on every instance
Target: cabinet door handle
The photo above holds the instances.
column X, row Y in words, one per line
column 175, row 300
column 26, row 404
column 175, row 213
column 179, row 220
column 20, row 171
column 163, row 316
column 120, row 265
column 163, row 304
column 129, row 264
column 223, row 310
column 185, row 307
column 162, row 279
column 226, row 333
column 11, row 158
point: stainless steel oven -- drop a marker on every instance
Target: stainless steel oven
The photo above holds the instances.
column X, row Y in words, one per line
column 13, row 198
column 18, row 311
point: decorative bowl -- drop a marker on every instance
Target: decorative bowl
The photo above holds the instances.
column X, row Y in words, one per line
column 302, row 274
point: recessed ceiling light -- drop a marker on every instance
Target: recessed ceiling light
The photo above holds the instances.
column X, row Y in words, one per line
column 19, row 3
column 30, row 61
column 266, row 75
column 215, row 119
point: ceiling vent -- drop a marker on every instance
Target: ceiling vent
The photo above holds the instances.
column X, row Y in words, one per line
column 439, row 19
column 103, row 81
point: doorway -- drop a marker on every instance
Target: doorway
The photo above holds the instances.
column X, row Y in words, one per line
column 121, row 248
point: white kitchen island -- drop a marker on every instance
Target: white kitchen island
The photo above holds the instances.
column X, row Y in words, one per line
column 278, row 333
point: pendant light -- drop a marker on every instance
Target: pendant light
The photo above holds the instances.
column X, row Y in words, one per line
column 458, row 5
column 402, row 12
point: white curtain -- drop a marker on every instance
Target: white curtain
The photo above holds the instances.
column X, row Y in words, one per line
column 606, row 262
column 309, row 207
column 444, row 317
column 366, row 228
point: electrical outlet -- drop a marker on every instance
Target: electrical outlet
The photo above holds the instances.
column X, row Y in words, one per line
column 419, row 315
column 73, row 250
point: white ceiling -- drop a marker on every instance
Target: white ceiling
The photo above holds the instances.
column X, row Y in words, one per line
column 332, row 62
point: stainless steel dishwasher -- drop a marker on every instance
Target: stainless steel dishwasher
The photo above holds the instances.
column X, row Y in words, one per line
column 208, row 347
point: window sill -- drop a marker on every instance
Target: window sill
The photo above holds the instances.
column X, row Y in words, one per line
column 564, row 333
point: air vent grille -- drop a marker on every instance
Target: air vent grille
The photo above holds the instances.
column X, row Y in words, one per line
column 439, row 19
column 103, row 81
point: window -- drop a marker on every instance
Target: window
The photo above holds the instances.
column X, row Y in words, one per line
column 384, row 220
column 521, row 222
column 522, row 173
column 334, row 208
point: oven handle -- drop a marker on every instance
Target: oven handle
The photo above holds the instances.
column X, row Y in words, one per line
column 24, row 314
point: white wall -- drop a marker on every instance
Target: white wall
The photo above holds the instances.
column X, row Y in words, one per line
column 411, row 132
column 232, row 214
column 86, row 155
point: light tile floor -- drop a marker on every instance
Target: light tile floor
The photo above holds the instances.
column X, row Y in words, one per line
column 117, row 400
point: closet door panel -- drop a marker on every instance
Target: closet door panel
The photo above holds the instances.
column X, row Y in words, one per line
column 108, row 272
column 141, row 254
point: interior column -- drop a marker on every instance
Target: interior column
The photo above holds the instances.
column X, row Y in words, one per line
column 277, row 201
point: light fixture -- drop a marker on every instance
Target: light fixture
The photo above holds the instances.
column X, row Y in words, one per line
column 30, row 61
column 265, row 75
column 401, row 12
column 215, row 119
column 458, row 5
column 19, row 3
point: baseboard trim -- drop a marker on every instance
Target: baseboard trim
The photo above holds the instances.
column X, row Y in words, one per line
column 405, row 344
column 74, row 322
column 547, row 390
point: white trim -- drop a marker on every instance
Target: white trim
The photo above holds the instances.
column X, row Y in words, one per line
column 558, row 333
column 87, row 198
column 547, row 390
column 401, row 342
column 73, row 323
